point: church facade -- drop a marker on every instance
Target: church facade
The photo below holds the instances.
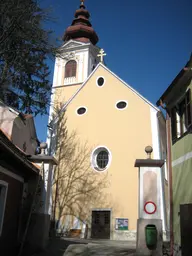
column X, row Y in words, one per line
column 116, row 123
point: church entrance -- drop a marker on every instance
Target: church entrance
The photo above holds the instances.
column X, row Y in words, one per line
column 100, row 228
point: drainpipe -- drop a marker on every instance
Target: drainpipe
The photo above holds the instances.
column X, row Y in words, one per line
column 169, row 160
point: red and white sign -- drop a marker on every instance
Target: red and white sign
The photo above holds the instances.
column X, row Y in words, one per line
column 150, row 207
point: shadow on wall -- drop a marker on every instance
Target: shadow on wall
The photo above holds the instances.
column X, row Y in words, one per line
column 76, row 187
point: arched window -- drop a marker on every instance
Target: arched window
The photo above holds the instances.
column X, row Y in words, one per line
column 70, row 68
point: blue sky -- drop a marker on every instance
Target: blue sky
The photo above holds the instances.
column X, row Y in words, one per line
column 147, row 42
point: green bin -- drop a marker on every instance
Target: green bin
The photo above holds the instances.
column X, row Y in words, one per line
column 151, row 236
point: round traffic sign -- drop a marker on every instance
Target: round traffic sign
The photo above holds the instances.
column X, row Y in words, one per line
column 150, row 207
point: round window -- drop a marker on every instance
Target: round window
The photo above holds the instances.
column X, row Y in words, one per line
column 121, row 104
column 100, row 81
column 100, row 159
column 81, row 110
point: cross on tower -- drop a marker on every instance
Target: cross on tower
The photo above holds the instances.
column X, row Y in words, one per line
column 101, row 55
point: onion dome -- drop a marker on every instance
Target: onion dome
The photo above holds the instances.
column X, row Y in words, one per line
column 81, row 28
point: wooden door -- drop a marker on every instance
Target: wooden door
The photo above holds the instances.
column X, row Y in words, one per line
column 186, row 229
column 100, row 228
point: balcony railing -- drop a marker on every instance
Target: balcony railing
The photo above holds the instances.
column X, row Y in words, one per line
column 70, row 80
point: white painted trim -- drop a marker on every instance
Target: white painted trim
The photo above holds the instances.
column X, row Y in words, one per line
column 11, row 174
column 157, row 155
column 182, row 159
column 93, row 159
column 98, row 79
column 155, row 135
column 78, row 43
column 101, row 209
column 121, row 108
column 85, row 65
column 83, row 113
column 4, row 184
column 66, row 85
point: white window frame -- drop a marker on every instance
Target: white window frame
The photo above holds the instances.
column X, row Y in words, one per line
column 83, row 113
column 121, row 109
column 3, row 199
column 100, row 86
column 94, row 158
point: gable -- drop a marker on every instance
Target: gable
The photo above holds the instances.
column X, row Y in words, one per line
column 111, row 92
column 98, row 72
column 120, row 86
column 72, row 44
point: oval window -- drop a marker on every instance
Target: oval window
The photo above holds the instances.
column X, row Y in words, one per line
column 100, row 159
column 81, row 111
column 100, row 81
column 121, row 104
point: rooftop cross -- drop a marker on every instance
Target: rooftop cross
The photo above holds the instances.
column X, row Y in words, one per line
column 101, row 55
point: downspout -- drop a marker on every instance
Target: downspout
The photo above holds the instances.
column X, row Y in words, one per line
column 162, row 180
column 169, row 159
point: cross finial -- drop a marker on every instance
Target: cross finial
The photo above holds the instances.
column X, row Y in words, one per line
column 82, row 4
column 101, row 55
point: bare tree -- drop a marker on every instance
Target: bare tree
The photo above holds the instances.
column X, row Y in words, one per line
column 77, row 187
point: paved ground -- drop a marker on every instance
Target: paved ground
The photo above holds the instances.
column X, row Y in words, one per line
column 89, row 247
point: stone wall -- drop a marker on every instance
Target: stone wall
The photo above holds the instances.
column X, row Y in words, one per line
column 124, row 235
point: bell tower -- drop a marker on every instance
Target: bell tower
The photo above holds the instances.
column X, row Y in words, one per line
column 77, row 56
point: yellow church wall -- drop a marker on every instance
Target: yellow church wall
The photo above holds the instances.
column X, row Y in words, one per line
column 125, row 133
column 64, row 93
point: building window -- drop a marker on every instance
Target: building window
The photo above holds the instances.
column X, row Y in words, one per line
column 70, row 69
column 101, row 158
column 121, row 104
column 100, row 81
column 3, row 197
column 181, row 118
column 81, row 110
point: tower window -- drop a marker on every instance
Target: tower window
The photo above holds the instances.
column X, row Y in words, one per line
column 70, row 68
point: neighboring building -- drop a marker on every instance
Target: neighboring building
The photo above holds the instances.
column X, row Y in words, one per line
column 116, row 122
column 24, row 194
column 177, row 102
column 16, row 131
